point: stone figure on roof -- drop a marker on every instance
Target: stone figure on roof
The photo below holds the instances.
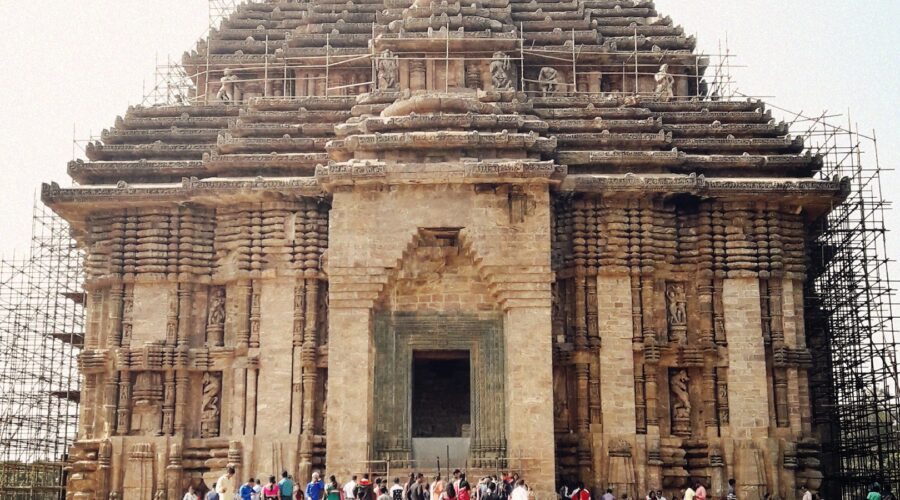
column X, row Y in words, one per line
column 501, row 72
column 665, row 84
column 231, row 87
column 548, row 80
column 388, row 71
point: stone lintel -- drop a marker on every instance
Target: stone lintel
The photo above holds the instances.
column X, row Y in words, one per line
column 353, row 173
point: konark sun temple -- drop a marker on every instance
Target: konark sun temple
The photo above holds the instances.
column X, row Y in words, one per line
column 499, row 235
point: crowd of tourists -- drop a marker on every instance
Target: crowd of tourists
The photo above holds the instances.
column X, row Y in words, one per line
column 415, row 487
column 456, row 487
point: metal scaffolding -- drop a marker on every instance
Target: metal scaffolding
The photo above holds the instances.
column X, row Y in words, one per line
column 41, row 334
column 854, row 382
column 172, row 85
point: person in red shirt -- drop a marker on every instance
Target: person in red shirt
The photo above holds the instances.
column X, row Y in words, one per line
column 580, row 492
column 463, row 493
column 700, row 491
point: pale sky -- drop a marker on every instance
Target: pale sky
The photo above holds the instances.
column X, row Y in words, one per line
column 79, row 63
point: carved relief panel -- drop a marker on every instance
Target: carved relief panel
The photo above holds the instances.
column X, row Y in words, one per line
column 210, row 404
column 147, row 397
column 215, row 324
column 676, row 312
column 680, row 402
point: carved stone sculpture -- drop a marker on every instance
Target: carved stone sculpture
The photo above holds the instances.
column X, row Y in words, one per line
column 501, row 72
column 215, row 326
column 676, row 311
column 548, row 81
column 210, row 406
column 231, row 88
column 473, row 76
column 681, row 403
column 388, row 71
column 665, row 84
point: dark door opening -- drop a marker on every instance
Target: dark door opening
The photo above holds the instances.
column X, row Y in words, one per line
column 441, row 397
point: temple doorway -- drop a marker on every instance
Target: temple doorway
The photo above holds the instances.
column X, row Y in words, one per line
column 441, row 407
column 439, row 389
column 441, row 395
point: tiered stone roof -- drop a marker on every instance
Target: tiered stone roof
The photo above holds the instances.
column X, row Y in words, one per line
column 308, row 98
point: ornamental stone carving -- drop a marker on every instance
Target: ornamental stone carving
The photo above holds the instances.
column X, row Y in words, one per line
column 548, row 81
column 230, row 92
column 676, row 312
column 215, row 326
column 665, row 84
column 501, row 72
column 681, row 403
column 388, row 71
column 473, row 76
column 210, row 407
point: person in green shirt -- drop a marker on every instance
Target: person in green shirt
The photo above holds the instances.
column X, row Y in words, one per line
column 332, row 490
column 874, row 492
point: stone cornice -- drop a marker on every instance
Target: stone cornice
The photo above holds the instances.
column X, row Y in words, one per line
column 371, row 172
column 821, row 194
column 73, row 203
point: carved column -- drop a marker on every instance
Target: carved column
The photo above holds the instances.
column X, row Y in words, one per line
column 582, row 421
column 168, row 409
column 172, row 316
column 252, row 396
column 110, row 398
column 123, row 422
column 92, row 332
column 309, row 377
column 473, row 75
column 242, row 326
column 127, row 316
column 185, row 309
column 779, row 369
column 181, row 385
column 297, row 352
column 417, row 74
column 640, row 400
column 722, row 395
column 709, row 397
column 174, row 472
column 255, row 313
column 87, row 405
column 116, row 301
column 104, row 459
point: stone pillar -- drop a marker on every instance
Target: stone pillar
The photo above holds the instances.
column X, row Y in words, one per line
column 529, row 396
column 417, row 74
column 350, row 376
column 747, row 383
column 617, row 368
column 274, row 379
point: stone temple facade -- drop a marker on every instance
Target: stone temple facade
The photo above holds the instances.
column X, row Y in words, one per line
column 514, row 235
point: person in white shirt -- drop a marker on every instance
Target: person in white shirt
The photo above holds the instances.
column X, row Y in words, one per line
column 350, row 489
column 225, row 484
column 191, row 494
column 520, row 492
column 257, row 490
column 396, row 491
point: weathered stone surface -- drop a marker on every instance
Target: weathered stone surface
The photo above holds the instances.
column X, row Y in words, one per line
column 621, row 256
